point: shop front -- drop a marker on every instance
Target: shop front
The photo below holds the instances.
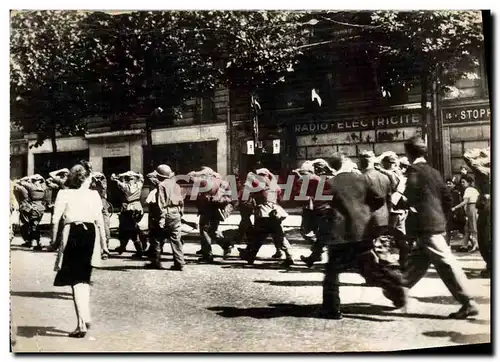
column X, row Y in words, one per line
column 466, row 125
column 350, row 135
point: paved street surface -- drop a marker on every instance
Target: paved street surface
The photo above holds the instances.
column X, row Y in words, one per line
column 231, row 307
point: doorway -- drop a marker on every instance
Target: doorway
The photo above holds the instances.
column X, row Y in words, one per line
column 114, row 165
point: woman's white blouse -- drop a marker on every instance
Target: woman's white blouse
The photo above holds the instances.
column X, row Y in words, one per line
column 77, row 205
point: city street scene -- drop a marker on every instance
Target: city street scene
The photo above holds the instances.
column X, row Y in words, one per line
column 250, row 181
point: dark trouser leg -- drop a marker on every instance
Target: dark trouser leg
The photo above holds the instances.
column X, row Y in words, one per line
column 260, row 232
column 323, row 234
column 205, row 234
column 279, row 239
column 24, row 227
column 484, row 236
column 35, row 228
column 156, row 235
column 331, row 284
column 244, row 228
column 123, row 230
column 378, row 275
column 135, row 232
column 404, row 252
column 173, row 232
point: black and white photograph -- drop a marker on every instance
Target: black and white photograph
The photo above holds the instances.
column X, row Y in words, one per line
column 250, row 181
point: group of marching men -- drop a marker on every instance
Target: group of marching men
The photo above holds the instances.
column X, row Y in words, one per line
column 376, row 198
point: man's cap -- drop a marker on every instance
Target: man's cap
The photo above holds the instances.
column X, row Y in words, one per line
column 163, row 171
column 416, row 142
column 391, row 157
column 367, row 154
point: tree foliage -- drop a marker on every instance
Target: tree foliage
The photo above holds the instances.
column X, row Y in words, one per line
column 48, row 93
column 430, row 43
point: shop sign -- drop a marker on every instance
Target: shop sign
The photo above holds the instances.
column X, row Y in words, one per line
column 118, row 149
column 467, row 114
column 359, row 124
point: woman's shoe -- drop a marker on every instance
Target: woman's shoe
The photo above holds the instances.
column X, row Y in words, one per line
column 473, row 249
column 77, row 334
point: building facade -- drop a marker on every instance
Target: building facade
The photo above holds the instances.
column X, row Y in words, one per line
column 356, row 115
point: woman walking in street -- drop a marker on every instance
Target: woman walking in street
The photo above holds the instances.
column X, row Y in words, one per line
column 83, row 227
column 470, row 198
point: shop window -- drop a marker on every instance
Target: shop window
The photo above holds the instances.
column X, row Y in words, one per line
column 48, row 162
column 205, row 109
column 186, row 157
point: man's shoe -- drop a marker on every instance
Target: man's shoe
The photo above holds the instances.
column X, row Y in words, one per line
column 277, row 255
column 154, row 266
column 227, row 252
column 37, row 248
column 308, row 261
column 51, row 248
column 119, row 250
column 176, row 268
column 27, row 244
column 137, row 256
column 288, row 262
column 466, row 311
column 244, row 256
column 399, row 300
column 206, row 259
column 199, row 252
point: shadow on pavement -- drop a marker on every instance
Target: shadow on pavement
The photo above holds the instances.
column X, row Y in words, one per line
column 470, row 273
column 293, row 310
column 460, row 338
column 33, row 331
column 121, row 268
column 303, row 283
column 50, row 295
column 445, row 299
column 264, row 266
column 482, row 322
column 290, row 310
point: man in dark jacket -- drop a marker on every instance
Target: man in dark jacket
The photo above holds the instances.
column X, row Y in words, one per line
column 351, row 241
column 427, row 193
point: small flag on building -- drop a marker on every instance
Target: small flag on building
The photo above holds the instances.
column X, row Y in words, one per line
column 315, row 96
column 255, row 104
column 276, row 146
column 250, row 148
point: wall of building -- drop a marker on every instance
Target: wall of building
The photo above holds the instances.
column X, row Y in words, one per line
column 198, row 133
column 65, row 144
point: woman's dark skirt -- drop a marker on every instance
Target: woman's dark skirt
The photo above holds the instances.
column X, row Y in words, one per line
column 76, row 266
